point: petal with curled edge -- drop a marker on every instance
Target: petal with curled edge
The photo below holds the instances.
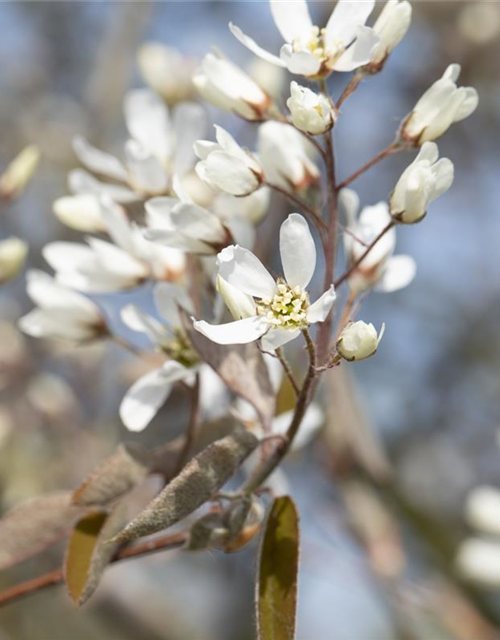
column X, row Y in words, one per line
column 237, row 332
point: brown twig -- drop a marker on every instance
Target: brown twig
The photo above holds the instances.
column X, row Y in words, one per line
column 356, row 264
column 301, row 204
column 330, row 246
column 395, row 147
column 288, row 371
column 350, row 89
column 53, row 578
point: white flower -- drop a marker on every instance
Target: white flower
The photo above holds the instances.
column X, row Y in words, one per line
column 280, row 310
column 112, row 266
column 359, row 340
column 19, row 172
column 159, row 148
column 166, row 71
column 422, row 182
column 13, row 253
column 479, row 560
column 225, row 166
column 185, row 226
column 143, row 400
column 311, row 112
column 226, row 86
column 285, row 156
column 252, row 208
column 440, row 106
column 380, row 269
column 343, row 45
column 391, row 27
column 61, row 313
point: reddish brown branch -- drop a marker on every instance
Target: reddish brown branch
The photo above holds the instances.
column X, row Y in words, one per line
column 56, row 577
column 385, row 153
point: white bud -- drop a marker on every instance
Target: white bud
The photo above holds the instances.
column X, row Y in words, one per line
column 13, row 252
column 239, row 304
column 286, row 157
column 226, row 86
column 225, row 166
column 311, row 112
column 482, row 509
column 166, row 71
column 441, row 105
column 391, row 27
column 81, row 212
column 19, row 172
column 359, row 340
column 479, row 560
column 423, row 181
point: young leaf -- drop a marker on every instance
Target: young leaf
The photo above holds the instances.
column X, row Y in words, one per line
column 242, row 368
column 87, row 554
column 200, row 479
column 35, row 525
column 112, row 478
column 278, row 564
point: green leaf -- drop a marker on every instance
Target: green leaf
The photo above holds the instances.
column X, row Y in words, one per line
column 278, row 565
column 200, row 479
column 88, row 553
column 34, row 526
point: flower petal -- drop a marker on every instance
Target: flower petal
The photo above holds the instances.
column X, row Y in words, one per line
column 346, row 17
column 148, row 121
column 229, row 174
column 98, row 161
column 292, row 19
column 302, row 63
column 147, row 395
column 141, row 322
column 146, row 172
column 237, row 332
column 250, row 44
column 319, row 310
column 298, row 251
column 245, row 272
column 276, row 338
column 398, row 273
column 82, row 182
column 361, row 50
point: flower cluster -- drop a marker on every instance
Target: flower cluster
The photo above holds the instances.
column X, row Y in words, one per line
column 183, row 211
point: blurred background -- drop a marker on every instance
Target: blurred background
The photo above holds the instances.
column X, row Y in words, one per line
column 429, row 401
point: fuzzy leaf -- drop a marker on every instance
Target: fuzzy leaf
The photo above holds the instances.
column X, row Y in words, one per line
column 242, row 368
column 114, row 477
column 34, row 526
column 276, row 589
column 200, row 479
column 87, row 554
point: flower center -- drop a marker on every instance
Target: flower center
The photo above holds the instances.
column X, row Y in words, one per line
column 179, row 348
column 287, row 309
column 314, row 44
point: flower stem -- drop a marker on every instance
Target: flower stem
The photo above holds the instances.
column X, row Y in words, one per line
column 301, row 204
column 356, row 264
column 269, row 465
column 395, row 147
column 288, row 371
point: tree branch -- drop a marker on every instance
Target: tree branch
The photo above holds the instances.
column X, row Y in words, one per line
column 395, row 147
column 53, row 578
